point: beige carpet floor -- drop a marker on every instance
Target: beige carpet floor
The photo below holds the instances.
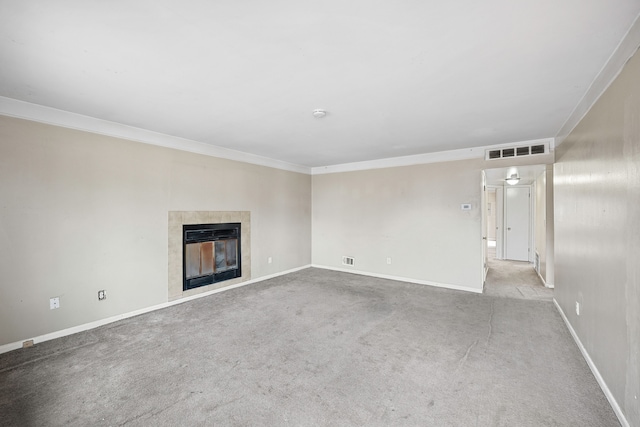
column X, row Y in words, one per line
column 313, row 348
column 515, row 279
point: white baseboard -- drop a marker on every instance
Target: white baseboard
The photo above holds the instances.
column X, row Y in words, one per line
column 400, row 279
column 544, row 282
column 594, row 369
column 91, row 325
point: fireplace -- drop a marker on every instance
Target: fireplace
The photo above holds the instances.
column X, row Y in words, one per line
column 211, row 254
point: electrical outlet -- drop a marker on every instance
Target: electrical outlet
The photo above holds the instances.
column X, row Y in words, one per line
column 577, row 308
column 388, row 260
column 102, row 295
column 54, row 303
column 269, row 260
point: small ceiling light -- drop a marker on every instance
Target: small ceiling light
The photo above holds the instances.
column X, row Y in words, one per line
column 513, row 179
column 319, row 113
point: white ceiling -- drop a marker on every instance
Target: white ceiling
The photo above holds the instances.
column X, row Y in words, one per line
column 397, row 78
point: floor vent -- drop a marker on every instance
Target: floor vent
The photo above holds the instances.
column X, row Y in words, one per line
column 525, row 150
column 348, row 260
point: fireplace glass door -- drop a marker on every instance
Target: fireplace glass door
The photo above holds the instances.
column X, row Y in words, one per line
column 206, row 258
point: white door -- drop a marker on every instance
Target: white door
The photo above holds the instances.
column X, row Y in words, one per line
column 517, row 222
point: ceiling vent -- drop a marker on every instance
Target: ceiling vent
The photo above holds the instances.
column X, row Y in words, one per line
column 525, row 150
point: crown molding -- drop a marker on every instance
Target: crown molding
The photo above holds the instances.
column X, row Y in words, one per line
column 627, row 47
column 53, row 116
column 418, row 159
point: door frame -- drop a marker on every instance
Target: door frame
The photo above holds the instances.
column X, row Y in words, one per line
column 499, row 219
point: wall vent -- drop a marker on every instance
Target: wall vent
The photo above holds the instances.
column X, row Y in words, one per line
column 348, row 260
column 525, row 150
column 536, row 262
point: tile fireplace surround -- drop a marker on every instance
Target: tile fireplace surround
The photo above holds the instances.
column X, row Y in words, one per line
column 179, row 218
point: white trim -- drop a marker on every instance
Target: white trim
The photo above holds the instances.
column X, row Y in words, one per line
column 91, row 325
column 399, row 279
column 53, row 116
column 611, row 69
column 594, row 369
column 544, row 282
column 419, row 159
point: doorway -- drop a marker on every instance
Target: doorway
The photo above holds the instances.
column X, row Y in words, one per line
column 509, row 221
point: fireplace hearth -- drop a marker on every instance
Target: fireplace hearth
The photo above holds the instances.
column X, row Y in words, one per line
column 211, row 253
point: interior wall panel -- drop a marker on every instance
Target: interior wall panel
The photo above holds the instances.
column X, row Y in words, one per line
column 404, row 222
column 597, row 236
column 81, row 212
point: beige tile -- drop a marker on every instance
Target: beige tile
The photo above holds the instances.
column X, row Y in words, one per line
column 175, row 218
column 175, row 292
column 211, row 218
column 175, row 267
column 175, row 243
column 190, row 217
column 176, row 296
column 175, row 232
column 226, row 217
column 202, row 217
column 216, row 217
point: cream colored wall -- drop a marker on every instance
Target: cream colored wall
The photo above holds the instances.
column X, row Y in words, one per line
column 80, row 212
column 411, row 214
column 540, row 222
column 550, row 229
column 597, row 235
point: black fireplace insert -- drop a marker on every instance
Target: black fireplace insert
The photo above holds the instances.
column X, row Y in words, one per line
column 211, row 253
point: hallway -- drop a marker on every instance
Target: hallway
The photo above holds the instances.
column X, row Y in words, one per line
column 515, row 279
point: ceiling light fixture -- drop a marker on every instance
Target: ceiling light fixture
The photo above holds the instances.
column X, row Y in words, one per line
column 513, row 179
column 319, row 113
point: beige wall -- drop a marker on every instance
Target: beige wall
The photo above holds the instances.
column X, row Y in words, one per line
column 540, row 222
column 80, row 212
column 550, row 229
column 411, row 214
column 543, row 224
column 597, row 235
